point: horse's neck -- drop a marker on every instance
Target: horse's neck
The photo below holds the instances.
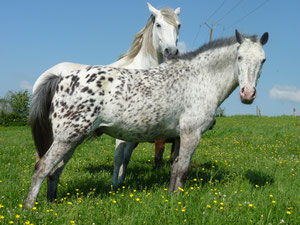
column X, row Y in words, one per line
column 145, row 59
column 217, row 70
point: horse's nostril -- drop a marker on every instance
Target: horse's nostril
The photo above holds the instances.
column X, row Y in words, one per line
column 243, row 89
column 166, row 51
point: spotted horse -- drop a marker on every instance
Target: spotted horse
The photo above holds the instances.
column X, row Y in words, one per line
column 152, row 45
column 177, row 99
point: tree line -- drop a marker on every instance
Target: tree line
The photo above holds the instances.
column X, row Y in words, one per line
column 14, row 108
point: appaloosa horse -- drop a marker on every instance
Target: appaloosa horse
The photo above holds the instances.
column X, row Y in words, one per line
column 177, row 99
column 155, row 43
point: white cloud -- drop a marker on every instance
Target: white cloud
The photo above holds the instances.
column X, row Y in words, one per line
column 181, row 47
column 289, row 93
column 25, row 85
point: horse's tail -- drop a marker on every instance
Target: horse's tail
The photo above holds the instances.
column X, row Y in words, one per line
column 40, row 123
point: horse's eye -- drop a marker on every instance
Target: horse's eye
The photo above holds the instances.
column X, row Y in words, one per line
column 240, row 58
column 179, row 25
column 263, row 61
column 158, row 25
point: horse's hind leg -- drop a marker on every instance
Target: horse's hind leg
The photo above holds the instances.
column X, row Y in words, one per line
column 53, row 178
column 174, row 150
column 159, row 151
column 45, row 165
column 121, row 159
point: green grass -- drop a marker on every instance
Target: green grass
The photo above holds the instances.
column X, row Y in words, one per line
column 245, row 171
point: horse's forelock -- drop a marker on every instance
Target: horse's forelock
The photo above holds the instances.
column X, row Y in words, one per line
column 170, row 16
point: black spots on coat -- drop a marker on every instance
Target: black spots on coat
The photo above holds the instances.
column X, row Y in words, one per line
column 54, row 115
column 101, row 72
column 102, row 78
column 118, row 93
column 92, row 78
column 74, row 83
column 110, row 79
column 84, row 89
column 61, row 88
column 67, row 90
column 99, row 84
column 90, row 91
column 88, row 68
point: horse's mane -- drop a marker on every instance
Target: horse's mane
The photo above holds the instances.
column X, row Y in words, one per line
column 218, row 43
column 144, row 36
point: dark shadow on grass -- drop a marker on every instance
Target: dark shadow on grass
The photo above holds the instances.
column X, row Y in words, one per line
column 258, row 178
column 140, row 176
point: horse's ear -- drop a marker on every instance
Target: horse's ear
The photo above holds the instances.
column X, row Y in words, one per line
column 153, row 10
column 264, row 38
column 177, row 11
column 239, row 37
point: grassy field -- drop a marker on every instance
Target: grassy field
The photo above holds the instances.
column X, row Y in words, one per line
column 245, row 171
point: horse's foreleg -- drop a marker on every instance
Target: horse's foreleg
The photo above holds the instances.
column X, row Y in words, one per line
column 159, row 151
column 121, row 159
column 188, row 144
column 44, row 166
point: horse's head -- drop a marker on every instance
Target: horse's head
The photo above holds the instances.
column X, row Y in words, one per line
column 249, row 62
column 165, row 30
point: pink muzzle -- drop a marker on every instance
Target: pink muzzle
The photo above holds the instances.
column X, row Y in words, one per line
column 247, row 94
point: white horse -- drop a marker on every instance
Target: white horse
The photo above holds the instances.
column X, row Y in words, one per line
column 177, row 99
column 151, row 46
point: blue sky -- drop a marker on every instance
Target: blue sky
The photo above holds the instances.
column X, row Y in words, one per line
column 36, row 35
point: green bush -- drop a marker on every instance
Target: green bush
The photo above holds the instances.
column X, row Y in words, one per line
column 14, row 109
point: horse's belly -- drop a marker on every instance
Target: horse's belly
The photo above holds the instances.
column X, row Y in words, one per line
column 141, row 134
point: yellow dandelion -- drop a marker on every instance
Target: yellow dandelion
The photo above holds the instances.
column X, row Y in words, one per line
column 250, row 205
column 34, row 208
column 256, row 185
column 137, row 199
column 20, row 205
column 76, row 189
column 191, row 188
column 179, row 203
column 215, row 202
column 221, row 203
column 27, row 222
column 221, row 208
column 114, row 201
column 183, row 210
column 72, row 222
column 0, row 181
column 68, row 193
column 180, row 189
column 2, row 217
column 69, row 203
column 208, row 206
column 131, row 195
column 288, row 212
column 17, row 216
column 273, row 202
column 195, row 179
column 165, row 189
column 1, row 206
column 166, row 200
column 11, row 222
column 123, row 187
